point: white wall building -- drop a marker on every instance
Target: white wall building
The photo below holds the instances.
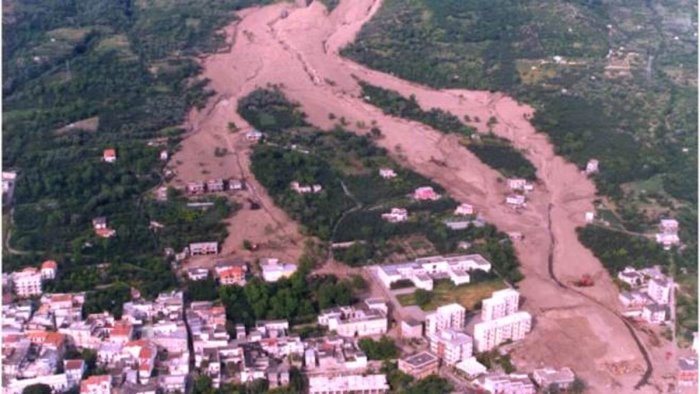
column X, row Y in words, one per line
column 396, row 215
column 59, row 383
column 375, row 383
column 422, row 271
column 351, row 321
column 274, row 270
column 502, row 303
column 444, row 317
column 507, row 384
column 489, row 334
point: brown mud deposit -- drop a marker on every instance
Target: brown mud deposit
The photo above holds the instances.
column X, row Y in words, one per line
column 299, row 53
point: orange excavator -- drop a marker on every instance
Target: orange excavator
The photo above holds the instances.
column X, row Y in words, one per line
column 584, row 281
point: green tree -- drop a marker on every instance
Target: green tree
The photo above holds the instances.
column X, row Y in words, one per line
column 39, row 388
column 423, row 297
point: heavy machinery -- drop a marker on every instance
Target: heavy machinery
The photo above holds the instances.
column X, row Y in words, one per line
column 584, row 281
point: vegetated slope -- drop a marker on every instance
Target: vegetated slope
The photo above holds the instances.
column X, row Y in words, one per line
column 635, row 124
column 127, row 66
column 354, row 196
column 610, row 80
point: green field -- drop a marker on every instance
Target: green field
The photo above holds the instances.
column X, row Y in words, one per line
column 468, row 295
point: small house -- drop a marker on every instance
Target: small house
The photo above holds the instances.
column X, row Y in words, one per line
column 235, row 184
column 196, row 187
column 396, row 215
column 254, row 135
column 592, row 167
column 464, row 209
column 387, row 173
column 164, row 155
column 516, row 200
column 48, row 269
column 215, row 185
column 109, row 155
column 99, row 222
column 197, row 273
column 425, row 193
column 589, row 216
column 203, row 248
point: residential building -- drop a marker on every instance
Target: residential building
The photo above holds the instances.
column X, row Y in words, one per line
column 74, row 370
column 660, row 290
column 491, row 333
column 109, row 155
column 562, row 378
column 303, row 189
column 97, row 384
column 464, row 209
column 215, row 185
column 501, row 303
column 396, row 215
column 422, row 271
column 274, row 270
column 9, row 179
column 501, row 383
column 425, row 193
column 687, row 371
column 235, row 184
column 654, row 313
column 197, row 187
column 520, row 184
column 203, row 248
column 59, row 383
column 445, row 317
column 516, row 200
column 334, row 354
column 353, row 321
column 48, row 270
column 164, row 155
column 634, row 299
column 197, row 273
column 254, row 135
column 592, row 166
column 372, row 383
column 631, row 276
column 451, row 346
column 27, row 282
column 411, row 328
column 668, row 235
column 232, row 276
column 387, row 173
column 419, row 365
column 471, row 367
column 589, row 217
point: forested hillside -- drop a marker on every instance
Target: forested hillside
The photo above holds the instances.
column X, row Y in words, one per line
column 82, row 76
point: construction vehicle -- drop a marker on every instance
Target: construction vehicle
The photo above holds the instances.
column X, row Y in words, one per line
column 585, row 281
column 441, row 163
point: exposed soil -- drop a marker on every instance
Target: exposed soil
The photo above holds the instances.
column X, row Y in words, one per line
column 578, row 328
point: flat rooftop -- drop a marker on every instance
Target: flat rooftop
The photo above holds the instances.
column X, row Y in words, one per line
column 420, row 359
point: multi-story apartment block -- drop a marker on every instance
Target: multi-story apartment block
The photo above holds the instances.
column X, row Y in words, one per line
column 27, row 282
column 446, row 316
column 660, row 290
column 502, row 303
column 451, row 346
column 491, row 333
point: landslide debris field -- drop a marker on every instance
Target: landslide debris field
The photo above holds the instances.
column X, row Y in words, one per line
column 297, row 50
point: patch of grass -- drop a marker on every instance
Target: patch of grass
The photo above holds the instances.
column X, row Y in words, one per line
column 469, row 295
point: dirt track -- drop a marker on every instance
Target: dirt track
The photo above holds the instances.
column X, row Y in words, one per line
column 299, row 53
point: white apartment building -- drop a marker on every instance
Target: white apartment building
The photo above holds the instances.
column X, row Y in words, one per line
column 27, row 282
column 502, row 303
column 452, row 346
column 491, row 333
column 444, row 317
column 654, row 313
column 423, row 270
column 369, row 318
column 375, row 383
column 660, row 290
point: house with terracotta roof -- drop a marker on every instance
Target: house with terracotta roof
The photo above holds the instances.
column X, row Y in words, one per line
column 232, row 276
column 74, row 370
column 97, row 384
column 425, row 193
column 109, row 155
column 48, row 269
column 121, row 332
